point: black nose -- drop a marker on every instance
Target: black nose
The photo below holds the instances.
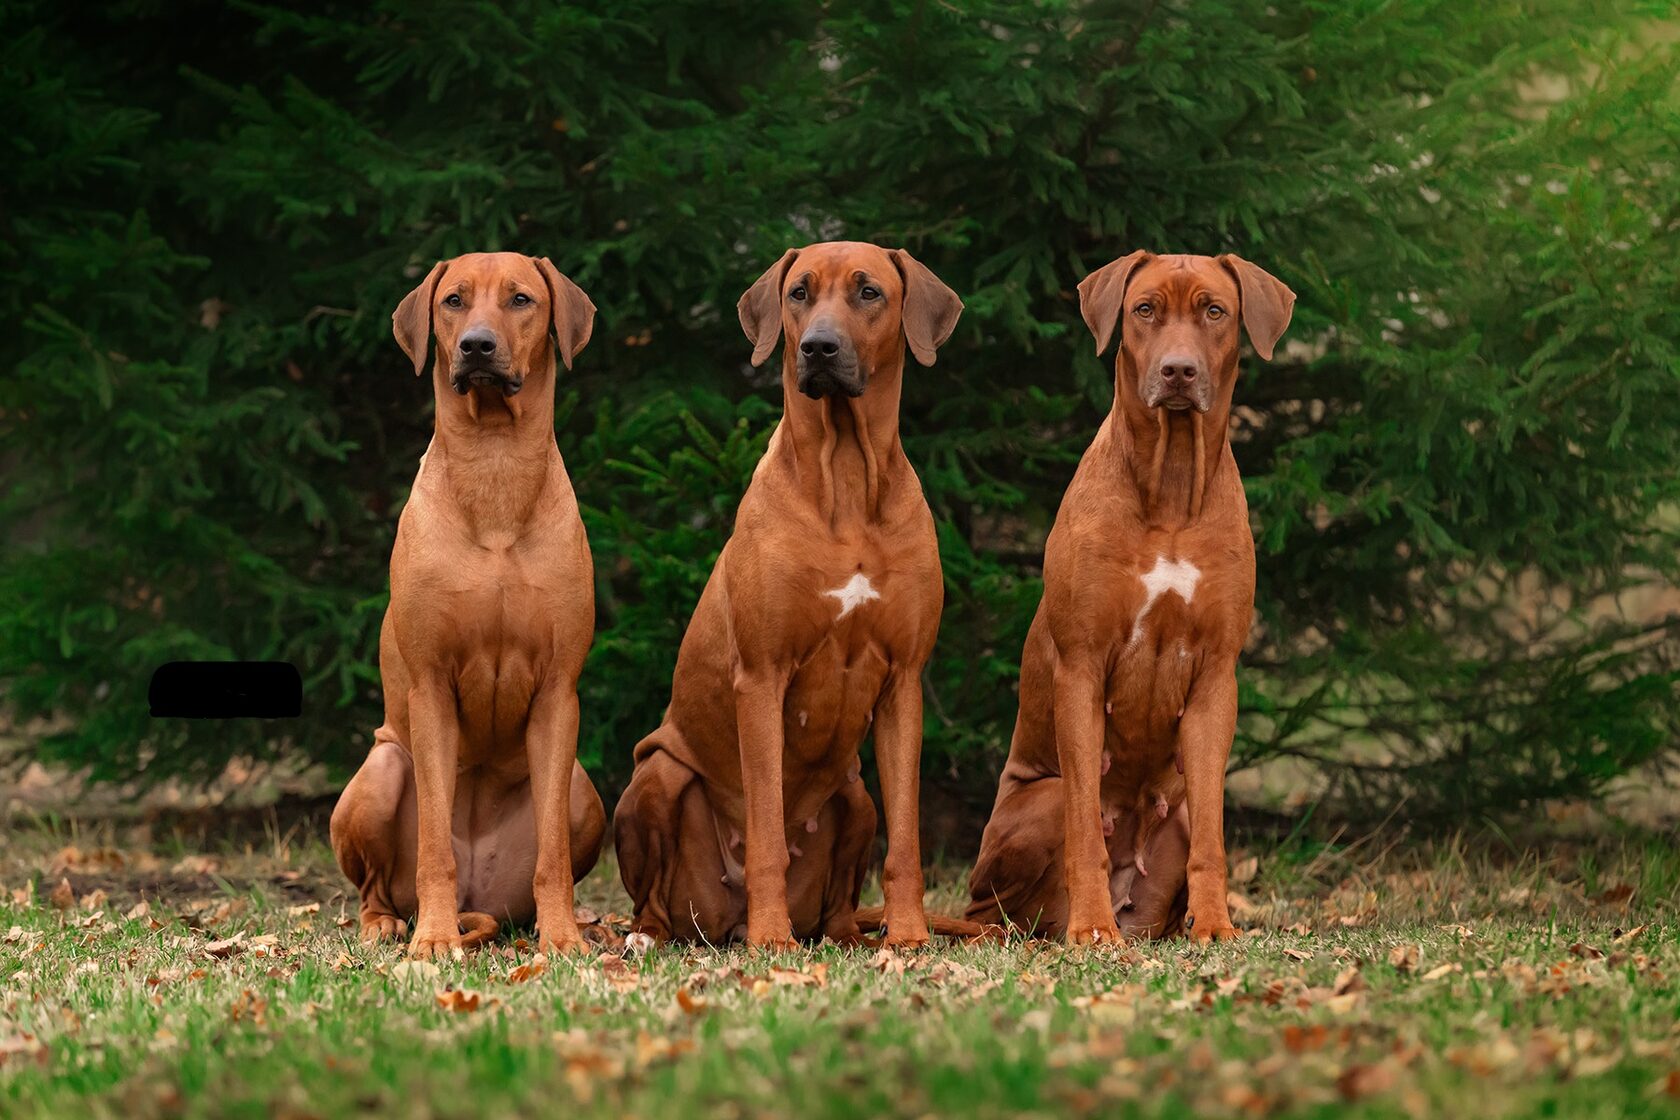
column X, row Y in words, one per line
column 820, row 343
column 478, row 341
column 1179, row 372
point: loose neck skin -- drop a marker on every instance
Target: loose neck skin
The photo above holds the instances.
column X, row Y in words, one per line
column 495, row 453
column 1172, row 456
column 844, row 451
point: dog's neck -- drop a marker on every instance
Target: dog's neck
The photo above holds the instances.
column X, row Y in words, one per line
column 1171, row 456
column 844, row 451
column 496, row 453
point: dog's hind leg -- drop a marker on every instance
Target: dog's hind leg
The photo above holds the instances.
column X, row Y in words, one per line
column 669, row 856
column 374, row 835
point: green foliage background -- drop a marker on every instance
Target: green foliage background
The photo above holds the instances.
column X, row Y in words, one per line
column 209, row 211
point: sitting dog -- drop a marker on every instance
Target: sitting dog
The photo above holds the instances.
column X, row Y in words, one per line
column 746, row 814
column 1109, row 817
column 471, row 807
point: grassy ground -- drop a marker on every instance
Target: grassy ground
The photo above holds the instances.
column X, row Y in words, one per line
column 1457, row 980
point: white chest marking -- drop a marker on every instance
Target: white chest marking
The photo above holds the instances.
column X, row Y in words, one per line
column 858, row 591
column 1177, row 576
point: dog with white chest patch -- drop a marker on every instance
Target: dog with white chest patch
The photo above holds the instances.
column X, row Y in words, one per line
column 746, row 815
column 1109, row 818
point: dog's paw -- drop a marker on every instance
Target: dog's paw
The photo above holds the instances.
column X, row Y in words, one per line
column 564, row 946
column 431, row 946
column 1095, row 933
column 1213, row 932
column 379, row 928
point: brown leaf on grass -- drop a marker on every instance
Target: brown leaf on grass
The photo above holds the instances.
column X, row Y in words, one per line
column 300, row 911
column 221, row 950
column 461, row 1000
column 249, row 1006
column 814, row 977
column 138, row 910
column 20, row 1048
column 888, row 963
column 1363, row 1081
column 62, row 897
column 1618, row 895
column 621, row 976
column 409, row 970
column 197, row 865
column 1244, row 870
column 690, row 1003
column 1404, row 958
column 1586, row 952
column 1238, row 904
column 525, row 973
column 1298, row 954
column 1349, row 980
column 94, row 899
column 13, row 935
column 1441, row 970
column 1670, row 1085
column 1631, row 935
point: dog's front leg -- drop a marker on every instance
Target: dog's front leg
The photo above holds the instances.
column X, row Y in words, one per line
column 1204, row 743
column 551, row 749
column 758, row 719
column 436, row 748
column 898, row 755
column 1079, row 740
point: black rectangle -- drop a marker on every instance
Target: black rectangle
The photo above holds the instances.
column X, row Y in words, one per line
column 226, row 690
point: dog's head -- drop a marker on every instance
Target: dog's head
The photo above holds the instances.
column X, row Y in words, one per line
column 492, row 314
column 848, row 309
column 1178, row 322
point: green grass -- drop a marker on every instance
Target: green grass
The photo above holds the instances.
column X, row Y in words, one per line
column 1424, row 981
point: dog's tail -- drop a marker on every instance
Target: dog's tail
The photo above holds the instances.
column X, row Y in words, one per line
column 871, row 919
column 477, row 928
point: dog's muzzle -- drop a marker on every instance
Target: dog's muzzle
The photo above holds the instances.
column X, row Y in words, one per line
column 463, row 379
column 1178, row 382
column 828, row 365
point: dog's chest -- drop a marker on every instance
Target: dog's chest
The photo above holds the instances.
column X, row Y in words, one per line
column 1158, row 644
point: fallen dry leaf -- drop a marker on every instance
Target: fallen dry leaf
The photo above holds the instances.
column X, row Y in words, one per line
column 221, row 950
column 1363, row 1081
column 62, row 897
column 1298, row 954
column 1244, row 870
column 621, row 976
column 459, row 1000
column 410, row 970
column 527, row 972
column 1404, row 958
column 690, row 1003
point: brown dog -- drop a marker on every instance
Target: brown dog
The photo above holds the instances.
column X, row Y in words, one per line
column 746, row 812
column 471, row 807
column 1112, row 801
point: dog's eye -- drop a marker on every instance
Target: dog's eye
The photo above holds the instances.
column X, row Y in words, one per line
column 520, row 299
column 798, row 294
column 452, row 300
column 1215, row 311
column 1144, row 310
column 870, row 293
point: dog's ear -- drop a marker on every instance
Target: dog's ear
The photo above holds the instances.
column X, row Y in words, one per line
column 760, row 308
column 1103, row 293
column 1266, row 303
column 411, row 322
column 574, row 313
column 930, row 308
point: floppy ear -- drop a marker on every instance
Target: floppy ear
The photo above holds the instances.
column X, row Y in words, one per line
column 574, row 314
column 1266, row 303
column 760, row 308
column 411, row 322
column 1102, row 294
column 930, row 308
